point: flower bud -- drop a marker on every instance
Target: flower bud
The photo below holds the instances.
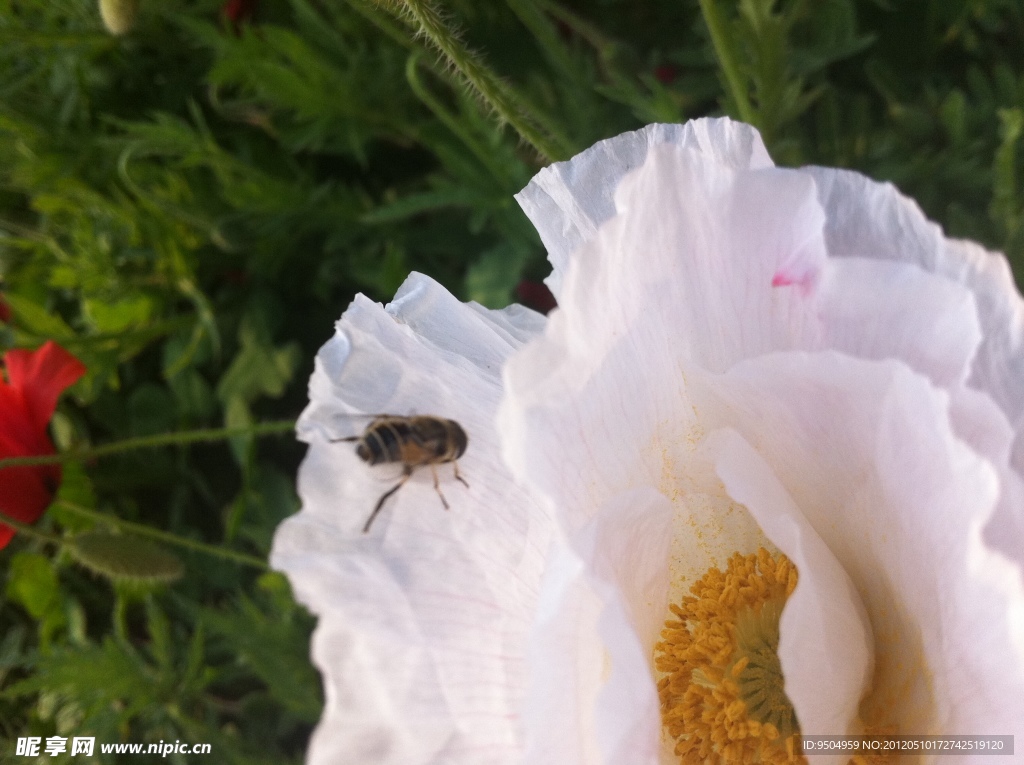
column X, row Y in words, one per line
column 119, row 15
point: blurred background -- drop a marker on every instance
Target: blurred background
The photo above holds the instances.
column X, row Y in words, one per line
column 192, row 191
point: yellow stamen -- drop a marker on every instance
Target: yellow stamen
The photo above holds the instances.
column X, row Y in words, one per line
column 722, row 695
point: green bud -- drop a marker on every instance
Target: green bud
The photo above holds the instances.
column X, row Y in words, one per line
column 119, row 15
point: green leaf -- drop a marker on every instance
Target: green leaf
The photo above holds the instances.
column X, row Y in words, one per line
column 428, row 201
column 193, row 396
column 35, row 319
column 267, row 645
column 492, row 278
column 259, row 368
column 98, row 679
column 75, row 487
column 124, row 557
column 238, row 415
column 117, row 316
column 32, row 582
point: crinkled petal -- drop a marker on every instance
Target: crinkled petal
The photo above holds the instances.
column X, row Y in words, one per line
column 568, row 201
column 867, row 219
column 873, row 220
column 423, row 620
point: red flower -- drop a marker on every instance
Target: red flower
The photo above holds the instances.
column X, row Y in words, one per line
column 28, row 398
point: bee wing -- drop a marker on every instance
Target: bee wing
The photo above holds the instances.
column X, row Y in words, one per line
column 360, row 415
column 388, row 472
column 372, row 415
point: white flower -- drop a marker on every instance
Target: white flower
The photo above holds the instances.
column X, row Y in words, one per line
column 744, row 357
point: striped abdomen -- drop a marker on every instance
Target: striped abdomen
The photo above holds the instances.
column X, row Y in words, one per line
column 412, row 441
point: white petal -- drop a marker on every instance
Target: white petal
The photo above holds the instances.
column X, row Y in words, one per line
column 592, row 696
column 873, row 220
column 568, row 201
column 888, row 310
column 676, row 278
column 825, row 639
column 423, row 621
column 671, row 276
column 867, row 453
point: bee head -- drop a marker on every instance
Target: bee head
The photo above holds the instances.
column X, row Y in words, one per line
column 459, row 438
column 363, row 453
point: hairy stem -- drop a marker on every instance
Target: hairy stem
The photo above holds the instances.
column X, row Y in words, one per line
column 509, row 106
column 165, row 536
column 150, row 442
column 724, row 50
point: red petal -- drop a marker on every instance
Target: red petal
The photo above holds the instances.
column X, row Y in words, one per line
column 18, row 434
column 27, row 400
column 26, row 494
column 41, row 376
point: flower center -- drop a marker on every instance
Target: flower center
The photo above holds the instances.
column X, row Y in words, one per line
column 757, row 669
column 722, row 696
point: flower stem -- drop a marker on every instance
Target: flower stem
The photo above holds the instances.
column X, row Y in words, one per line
column 725, row 52
column 149, row 442
column 24, row 528
column 164, row 536
column 509, row 105
column 450, row 121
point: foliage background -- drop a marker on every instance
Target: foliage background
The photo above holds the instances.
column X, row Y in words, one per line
column 189, row 206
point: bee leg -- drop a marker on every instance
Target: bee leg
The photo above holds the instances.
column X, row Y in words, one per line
column 437, row 487
column 455, row 465
column 339, row 440
column 383, row 499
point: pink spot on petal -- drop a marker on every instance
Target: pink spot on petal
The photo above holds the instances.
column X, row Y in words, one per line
column 804, row 281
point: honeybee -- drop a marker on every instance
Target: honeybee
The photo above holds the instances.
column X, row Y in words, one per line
column 412, row 442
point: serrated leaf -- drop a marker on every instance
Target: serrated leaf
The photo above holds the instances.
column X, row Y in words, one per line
column 124, row 557
column 274, row 649
column 98, row 678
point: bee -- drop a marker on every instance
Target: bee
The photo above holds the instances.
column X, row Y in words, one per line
column 412, row 442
